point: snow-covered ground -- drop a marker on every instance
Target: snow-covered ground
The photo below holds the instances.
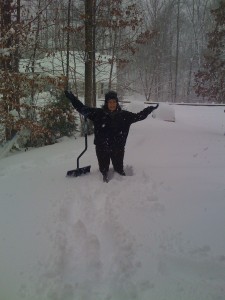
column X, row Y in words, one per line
column 156, row 235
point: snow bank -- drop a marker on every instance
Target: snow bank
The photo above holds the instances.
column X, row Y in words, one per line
column 157, row 233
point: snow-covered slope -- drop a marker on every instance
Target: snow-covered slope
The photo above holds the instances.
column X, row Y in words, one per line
column 157, row 233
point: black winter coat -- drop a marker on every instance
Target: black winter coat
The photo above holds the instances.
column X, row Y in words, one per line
column 110, row 128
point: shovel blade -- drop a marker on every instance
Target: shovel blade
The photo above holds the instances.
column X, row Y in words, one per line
column 78, row 172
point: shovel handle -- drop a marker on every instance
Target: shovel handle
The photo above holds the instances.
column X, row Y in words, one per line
column 86, row 144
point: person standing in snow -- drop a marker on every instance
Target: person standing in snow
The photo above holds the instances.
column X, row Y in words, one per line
column 111, row 128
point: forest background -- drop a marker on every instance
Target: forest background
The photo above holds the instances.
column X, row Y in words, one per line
column 167, row 50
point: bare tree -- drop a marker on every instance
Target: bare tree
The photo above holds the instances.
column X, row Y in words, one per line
column 89, row 52
column 68, row 45
column 18, row 37
column 177, row 49
column 210, row 80
column 176, row 53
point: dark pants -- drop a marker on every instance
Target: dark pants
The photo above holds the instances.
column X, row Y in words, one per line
column 104, row 156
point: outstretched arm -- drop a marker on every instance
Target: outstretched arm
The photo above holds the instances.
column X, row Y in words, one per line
column 78, row 105
column 143, row 114
column 151, row 108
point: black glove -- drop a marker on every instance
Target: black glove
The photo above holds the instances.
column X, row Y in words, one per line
column 77, row 104
column 151, row 108
column 70, row 96
column 154, row 107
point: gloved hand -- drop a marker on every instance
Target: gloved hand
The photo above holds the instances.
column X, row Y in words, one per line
column 151, row 108
column 154, row 107
column 70, row 96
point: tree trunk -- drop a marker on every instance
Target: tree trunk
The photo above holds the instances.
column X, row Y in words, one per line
column 17, row 53
column 6, row 62
column 68, row 45
column 88, row 52
column 177, row 50
column 93, row 53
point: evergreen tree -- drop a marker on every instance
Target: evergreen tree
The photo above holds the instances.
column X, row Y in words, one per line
column 210, row 81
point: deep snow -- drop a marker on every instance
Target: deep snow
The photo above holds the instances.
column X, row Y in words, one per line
column 158, row 234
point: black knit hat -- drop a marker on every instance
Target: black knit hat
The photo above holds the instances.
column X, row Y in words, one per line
column 111, row 95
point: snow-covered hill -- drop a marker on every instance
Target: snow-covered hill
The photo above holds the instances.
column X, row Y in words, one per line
column 157, row 233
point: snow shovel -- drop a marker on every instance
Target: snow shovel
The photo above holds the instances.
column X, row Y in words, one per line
column 80, row 171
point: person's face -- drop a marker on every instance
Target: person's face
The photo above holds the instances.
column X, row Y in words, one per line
column 112, row 104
